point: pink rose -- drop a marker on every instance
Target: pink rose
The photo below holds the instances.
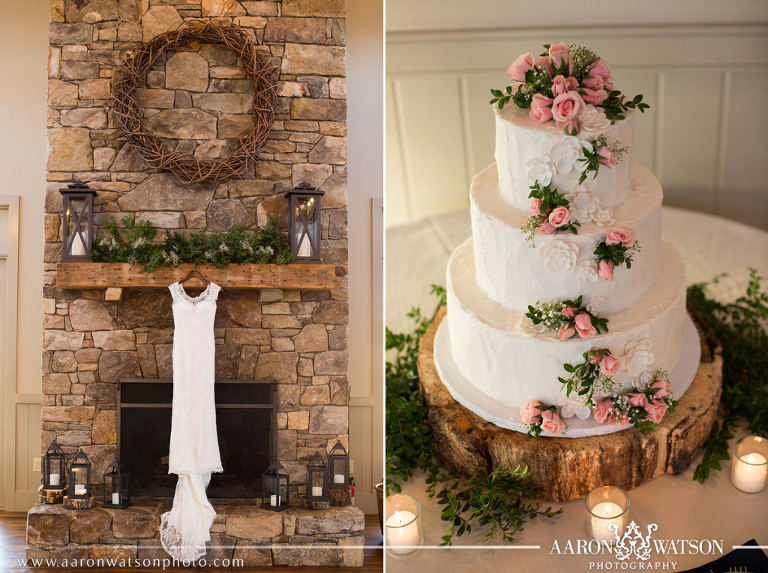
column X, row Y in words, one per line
column 541, row 108
column 522, row 64
column 620, row 236
column 543, row 63
column 605, row 269
column 569, row 311
column 601, row 411
column 566, row 107
column 561, row 85
column 536, row 206
column 656, row 410
column 622, row 420
column 546, row 228
column 552, row 423
column 530, row 412
column 559, row 216
column 560, row 56
column 593, row 82
column 594, row 97
column 661, row 388
column 584, row 326
column 610, row 364
column 600, row 68
column 565, row 332
column 571, row 127
column 637, row 399
column 607, row 157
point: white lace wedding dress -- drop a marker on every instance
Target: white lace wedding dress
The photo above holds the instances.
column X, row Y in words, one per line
column 194, row 449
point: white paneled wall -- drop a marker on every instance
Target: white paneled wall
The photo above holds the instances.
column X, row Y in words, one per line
column 705, row 136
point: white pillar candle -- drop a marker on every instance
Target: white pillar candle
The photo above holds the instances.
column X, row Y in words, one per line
column 78, row 246
column 116, row 498
column 338, row 478
column 604, row 514
column 79, row 489
column 317, row 491
column 54, row 479
column 750, row 472
column 402, row 538
column 273, row 500
column 305, row 247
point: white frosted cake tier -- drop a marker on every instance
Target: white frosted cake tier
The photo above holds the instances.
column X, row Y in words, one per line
column 515, row 274
column 492, row 350
column 522, row 144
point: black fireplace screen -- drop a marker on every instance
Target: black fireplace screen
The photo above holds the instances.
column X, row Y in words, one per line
column 245, row 420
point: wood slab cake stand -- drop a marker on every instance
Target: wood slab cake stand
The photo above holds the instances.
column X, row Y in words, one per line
column 569, row 468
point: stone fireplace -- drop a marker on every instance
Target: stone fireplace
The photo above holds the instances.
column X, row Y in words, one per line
column 98, row 353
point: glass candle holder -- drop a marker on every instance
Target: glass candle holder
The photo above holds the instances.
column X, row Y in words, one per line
column 404, row 534
column 749, row 467
column 608, row 509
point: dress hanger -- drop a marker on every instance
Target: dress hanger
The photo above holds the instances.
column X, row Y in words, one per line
column 194, row 273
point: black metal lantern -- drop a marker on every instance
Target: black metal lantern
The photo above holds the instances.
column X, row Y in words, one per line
column 80, row 477
column 338, row 466
column 54, row 467
column 78, row 234
column 274, row 488
column 117, row 484
column 317, row 480
column 304, row 223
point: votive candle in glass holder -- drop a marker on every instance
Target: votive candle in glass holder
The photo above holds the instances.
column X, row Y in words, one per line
column 402, row 524
column 608, row 508
column 749, row 467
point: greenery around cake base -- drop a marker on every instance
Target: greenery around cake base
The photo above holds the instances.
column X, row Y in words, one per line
column 491, row 501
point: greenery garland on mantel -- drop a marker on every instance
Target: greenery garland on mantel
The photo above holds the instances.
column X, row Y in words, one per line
column 495, row 500
column 135, row 243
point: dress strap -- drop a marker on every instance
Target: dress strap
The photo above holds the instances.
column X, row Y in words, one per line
column 174, row 288
column 213, row 292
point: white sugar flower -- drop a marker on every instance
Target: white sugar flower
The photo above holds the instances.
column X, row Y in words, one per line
column 526, row 326
column 603, row 217
column 642, row 380
column 595, row 305
column 586, row 271
column 576, row 189
column 583, row 205
column 592, row 120
column 638, row 357
column 541, row 169
column 574, row 406
column 565, row 152
column 559, row 255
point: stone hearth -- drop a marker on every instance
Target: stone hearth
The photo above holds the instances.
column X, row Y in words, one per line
column 259, row 537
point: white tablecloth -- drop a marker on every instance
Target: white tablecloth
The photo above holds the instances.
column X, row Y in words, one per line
column 416, row 257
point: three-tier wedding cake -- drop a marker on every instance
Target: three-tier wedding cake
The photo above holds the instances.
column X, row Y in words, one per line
column 566, row 309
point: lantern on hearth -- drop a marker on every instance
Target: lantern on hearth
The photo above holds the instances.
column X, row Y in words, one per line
column 78, row 234
column 338, row 467
column 304, row 223
column 117, row 482
column 54, row 467
column 317, row 480
column 80, row 477
column 274, row 488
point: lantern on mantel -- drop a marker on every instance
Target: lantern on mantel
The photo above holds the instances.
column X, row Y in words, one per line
column 338, row 466
column 317, row 479
column 54, row 467
column 304, row 223
column 78, row 233
column 117, row 482
column 274, row 488
column 80, row 477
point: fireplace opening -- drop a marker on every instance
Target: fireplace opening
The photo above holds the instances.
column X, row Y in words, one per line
column 246, row 425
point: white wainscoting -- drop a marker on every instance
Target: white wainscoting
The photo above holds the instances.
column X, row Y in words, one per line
column 705, row 136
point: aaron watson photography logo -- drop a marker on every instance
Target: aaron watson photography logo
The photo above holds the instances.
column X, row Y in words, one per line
column 635, row 549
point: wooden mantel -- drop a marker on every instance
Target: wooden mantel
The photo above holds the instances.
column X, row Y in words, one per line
column 298, row 276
